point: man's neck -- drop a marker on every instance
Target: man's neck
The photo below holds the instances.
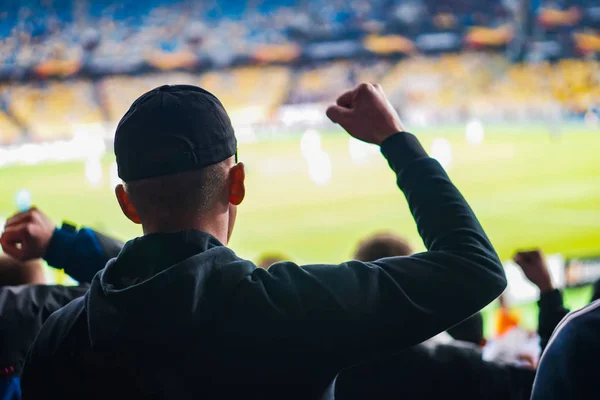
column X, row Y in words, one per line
column 214, row 227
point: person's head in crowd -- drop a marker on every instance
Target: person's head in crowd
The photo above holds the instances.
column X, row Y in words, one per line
column 14, row 272
column 268, row 259
column 470, row 330
column 382, row 245
column 387, row 244
column 177, row 156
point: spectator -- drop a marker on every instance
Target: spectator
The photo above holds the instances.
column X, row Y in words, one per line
column 25, row 300
column 383, row 245
column 178, row 315
column 268, row 259
column 14, row 272
column 31, row 235
column 506, row 318
column 569, row 365
column 551, row 308
column 470, row 330
column 569, row 362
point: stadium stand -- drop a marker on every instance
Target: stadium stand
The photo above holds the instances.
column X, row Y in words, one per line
column 54, row 110
column 118, row 92
column 429, row 90
column 9, row 132
column 252, row 94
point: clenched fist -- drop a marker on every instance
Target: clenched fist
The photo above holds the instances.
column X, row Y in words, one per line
column 534, row 266
column 27, row 235
column 366, row 114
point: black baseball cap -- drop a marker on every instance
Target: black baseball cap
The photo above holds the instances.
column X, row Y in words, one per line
column 170, row 129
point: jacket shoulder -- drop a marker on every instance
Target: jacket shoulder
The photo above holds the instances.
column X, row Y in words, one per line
column 57, row 327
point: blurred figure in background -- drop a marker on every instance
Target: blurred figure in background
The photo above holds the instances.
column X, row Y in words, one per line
column 438, row 368
column 26, row 301
column 382, row 245
column 268, row 259
column 550, row 304
column 14, row 272
column 506, row 317
column 569, row 364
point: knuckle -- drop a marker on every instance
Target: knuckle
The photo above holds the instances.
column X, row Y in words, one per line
column 27, row 229
column 365, row 87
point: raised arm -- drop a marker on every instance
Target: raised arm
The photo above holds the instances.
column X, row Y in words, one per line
column 81, row 253
column 357, row 310
column 551, row 308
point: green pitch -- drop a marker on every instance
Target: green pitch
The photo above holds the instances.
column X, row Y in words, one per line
column 528, row 189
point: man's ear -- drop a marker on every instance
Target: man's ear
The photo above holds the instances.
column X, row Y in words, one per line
column 125, row 203
column 237, row 189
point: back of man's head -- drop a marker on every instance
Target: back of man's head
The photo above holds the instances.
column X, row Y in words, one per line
column 382, row 245
column 175, row 152
column 170, row 199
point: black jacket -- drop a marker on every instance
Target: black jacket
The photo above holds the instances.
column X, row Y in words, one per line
column 23, row 310
column 551, row 312
column 181, row 316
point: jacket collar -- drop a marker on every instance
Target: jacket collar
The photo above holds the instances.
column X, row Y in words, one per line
column 146, row 256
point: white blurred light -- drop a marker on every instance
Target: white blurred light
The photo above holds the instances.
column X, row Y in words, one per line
column 245, row 134
column 310, row 144
column 23, row 199
column 592, row 118
column 2, row 223
column 474, row 132
column 360, row 152
column 441, row 150
column 93, row 171
column 114, row 175
column 32, row 154
column 319, row 168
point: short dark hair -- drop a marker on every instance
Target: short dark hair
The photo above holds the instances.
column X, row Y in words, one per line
column 470, row 330
column 382, row 245
column 182, row 194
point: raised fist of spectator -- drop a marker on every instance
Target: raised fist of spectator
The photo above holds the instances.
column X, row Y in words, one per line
column 27, row 235
column 366, row 114
column 535, row 269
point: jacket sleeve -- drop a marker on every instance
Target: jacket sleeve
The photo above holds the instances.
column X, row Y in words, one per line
column 551, row 312
column 359, row 309
column 81, row 253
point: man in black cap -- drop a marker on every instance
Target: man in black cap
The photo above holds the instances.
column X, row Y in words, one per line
column 178, row 315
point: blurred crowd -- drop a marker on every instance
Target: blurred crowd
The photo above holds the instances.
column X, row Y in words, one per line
column 109, row 31
column 115, row 36
column 429, row 91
